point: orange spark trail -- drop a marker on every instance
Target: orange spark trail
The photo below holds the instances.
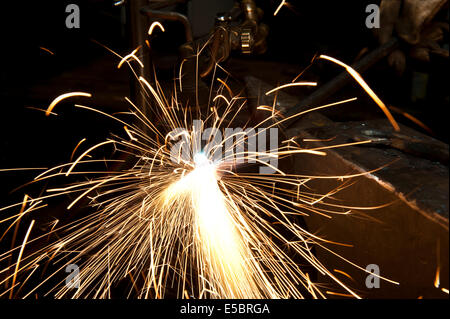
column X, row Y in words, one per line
column 366, row 87
column 283, row 2
column 20, row 256
column 291, row 84
column 62, row 97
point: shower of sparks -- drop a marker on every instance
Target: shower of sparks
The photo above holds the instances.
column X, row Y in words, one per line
column 197, row 225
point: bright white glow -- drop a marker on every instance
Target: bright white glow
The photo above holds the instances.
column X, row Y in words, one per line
column 229, row 261
column 200, row 159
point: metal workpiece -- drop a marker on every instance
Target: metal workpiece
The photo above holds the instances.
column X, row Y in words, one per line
column 397, row 200
column 415, row 165
column 400, row 216
column 411, row 165
column 401, row 151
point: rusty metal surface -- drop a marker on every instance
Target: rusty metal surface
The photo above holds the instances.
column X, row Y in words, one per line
column 418, row 164
column 415, row 171
column 408, row 239
column 408, row 236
